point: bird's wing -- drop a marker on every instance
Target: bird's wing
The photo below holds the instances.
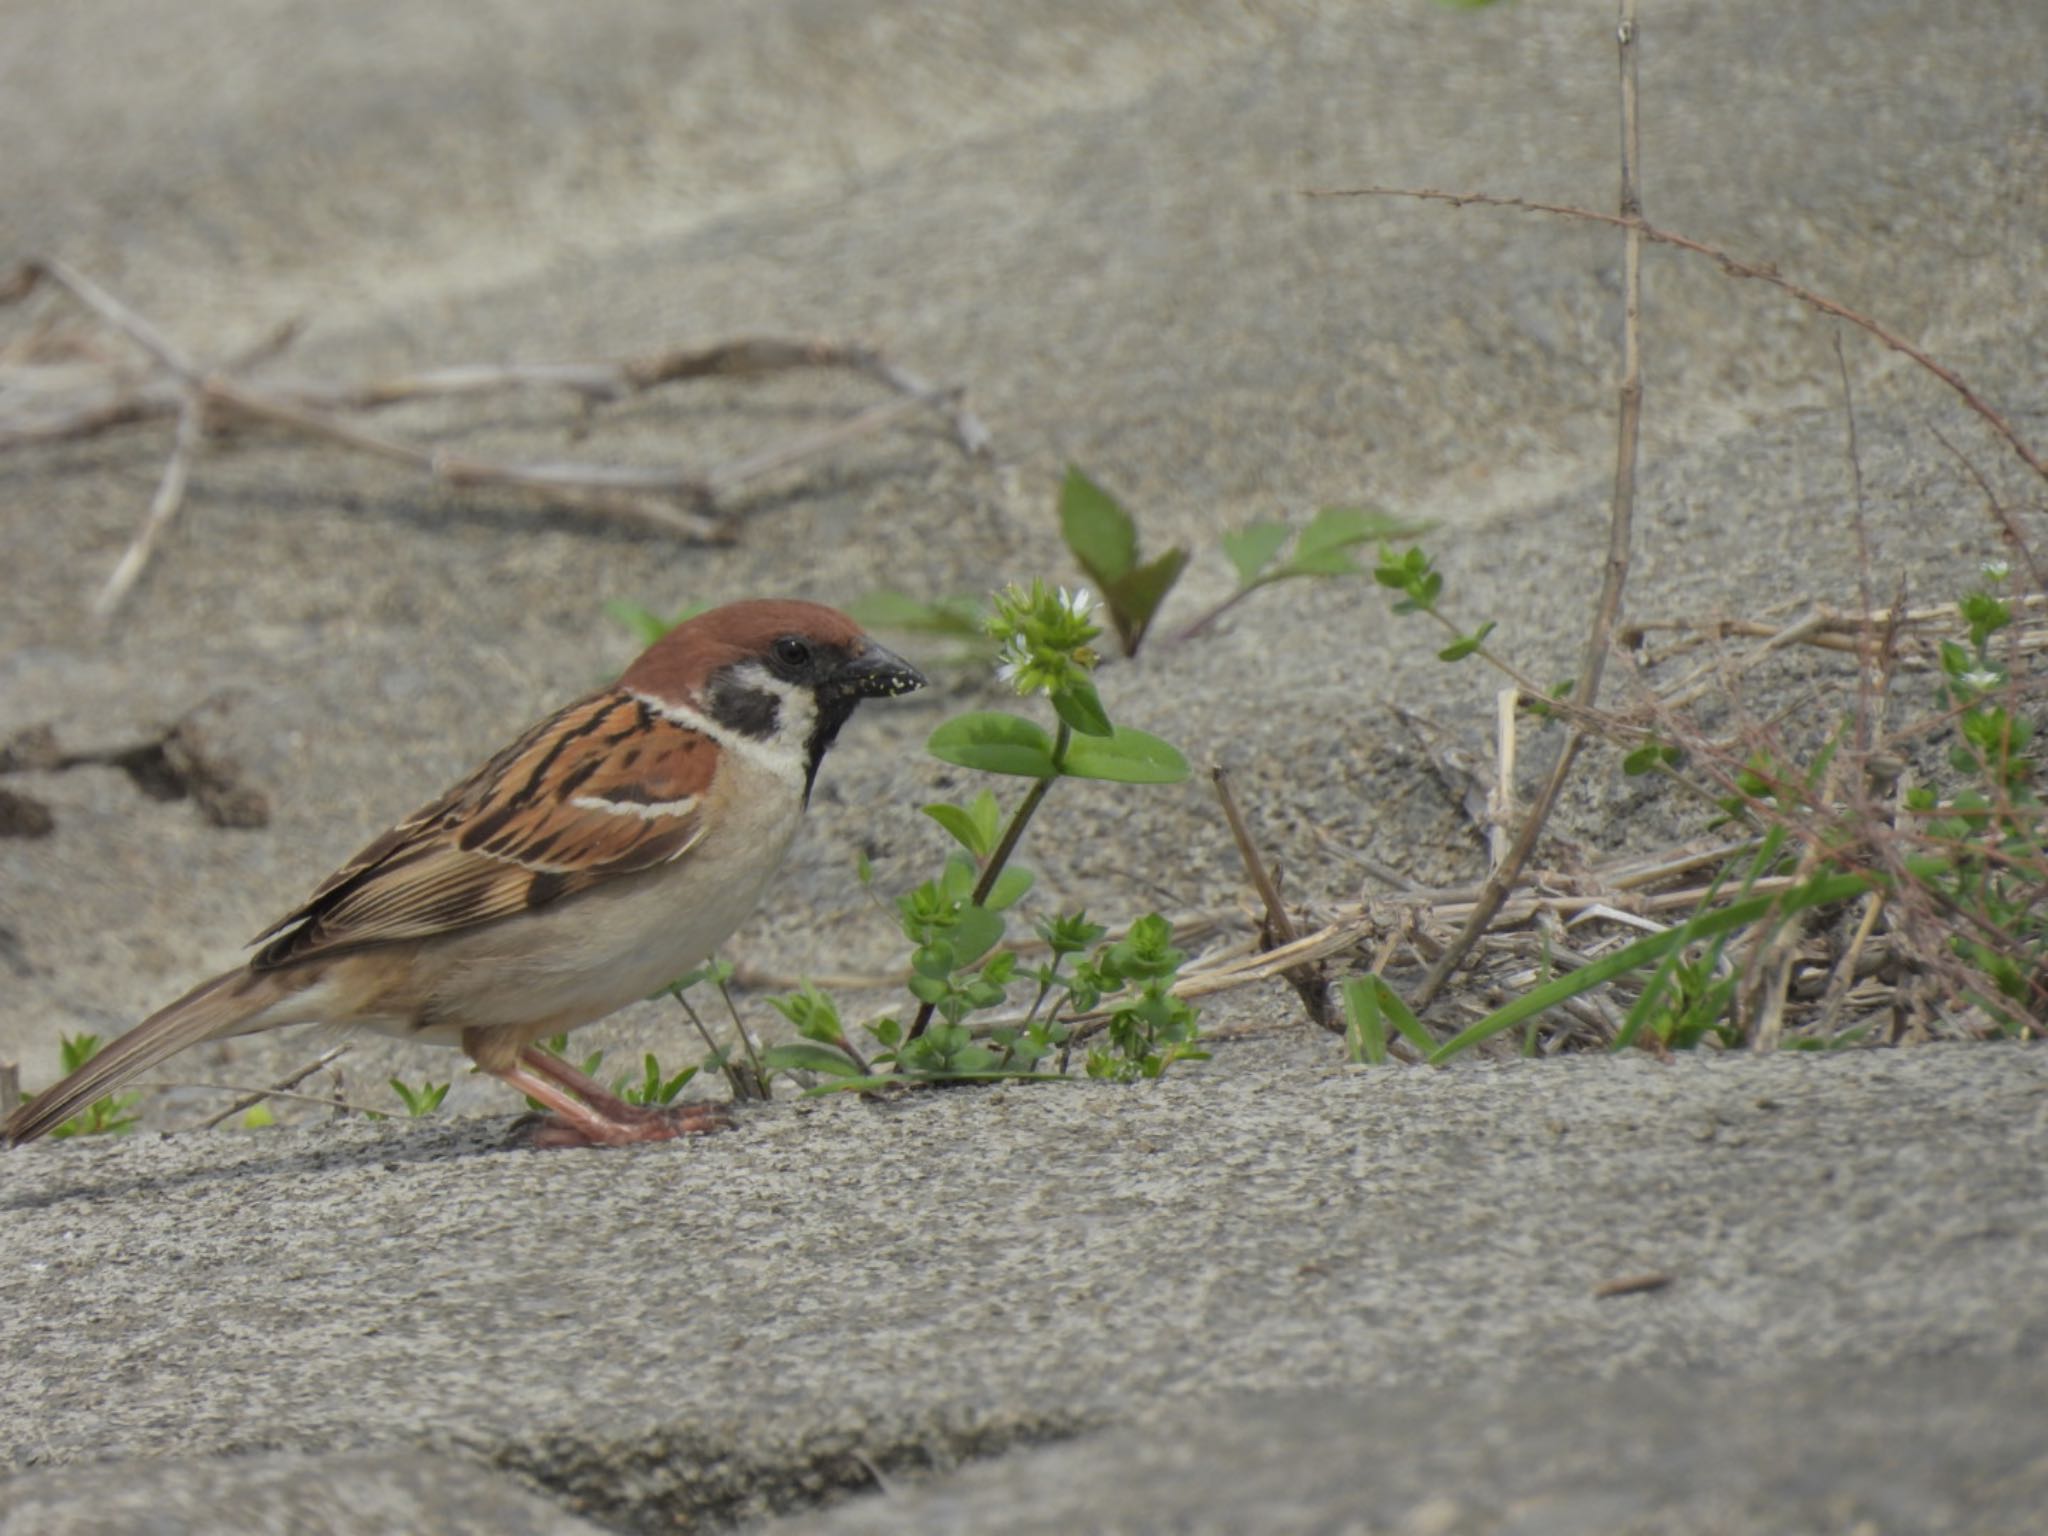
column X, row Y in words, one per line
column 606, row 787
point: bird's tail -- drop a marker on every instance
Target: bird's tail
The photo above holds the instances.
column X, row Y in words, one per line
column 222, row 1006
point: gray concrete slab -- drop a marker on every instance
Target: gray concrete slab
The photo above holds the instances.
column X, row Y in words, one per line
column 743, row 1323
column 340, row 1494
column 1825, row 1451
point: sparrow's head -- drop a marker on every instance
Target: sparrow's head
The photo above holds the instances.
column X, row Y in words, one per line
column 780, row 673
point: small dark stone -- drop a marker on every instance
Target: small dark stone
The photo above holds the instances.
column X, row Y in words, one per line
column 22, row 817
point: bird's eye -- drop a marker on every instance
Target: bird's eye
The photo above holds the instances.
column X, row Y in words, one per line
column 792, row 653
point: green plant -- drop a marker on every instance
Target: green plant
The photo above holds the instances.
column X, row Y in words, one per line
column 1104, row 539
column 1265, row 553
column 961, row 620
column 956, row 921
column 1990, row 825
column 747, row 1078
column 1370, row 1005
column 109, row 1115
column 1965, row 862
column 425, row 1099
column 655, row 1085
column 646, row 625
column 1414, row 575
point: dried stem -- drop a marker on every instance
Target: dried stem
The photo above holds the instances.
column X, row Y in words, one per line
column 671, row 498
column 1278, row 927
column 1734, row 266
column 281, row 1088
column 1620, row 520
column 170, row 495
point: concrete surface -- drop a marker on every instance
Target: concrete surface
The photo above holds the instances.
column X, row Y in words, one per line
column 1090, row 215
column 1931, row 1446
column 307, row 1495
column 751, row 1322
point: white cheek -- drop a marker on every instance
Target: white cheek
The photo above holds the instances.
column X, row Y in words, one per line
column 784, row 753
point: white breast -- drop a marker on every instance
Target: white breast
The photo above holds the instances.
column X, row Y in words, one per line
column 623, row 940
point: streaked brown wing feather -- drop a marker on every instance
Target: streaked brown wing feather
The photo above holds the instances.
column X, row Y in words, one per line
column 604, row 788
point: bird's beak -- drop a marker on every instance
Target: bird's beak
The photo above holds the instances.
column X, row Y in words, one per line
column 877, row 673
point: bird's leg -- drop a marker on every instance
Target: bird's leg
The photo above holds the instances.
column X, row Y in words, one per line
column 605, row 1119
column 568, row 1112
column 584, row 1086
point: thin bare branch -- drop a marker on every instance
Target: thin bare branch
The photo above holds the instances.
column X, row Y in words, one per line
column 1278, row 928
column 282, row 1086
column 672, row 498
column 170, row 495
column 1734, row 266
column 1620, row 523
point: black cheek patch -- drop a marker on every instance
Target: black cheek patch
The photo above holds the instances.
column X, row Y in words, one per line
column 753, row 712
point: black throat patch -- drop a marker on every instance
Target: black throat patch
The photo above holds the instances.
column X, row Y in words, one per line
column 835, row 708
column 740, row 706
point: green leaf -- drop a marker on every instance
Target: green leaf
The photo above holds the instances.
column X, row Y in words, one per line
column 1402, row 1017
column 1080, row 706
column 961, row 823
column 1341, row 527
column 1322, row 562
column 978, row 931
column 1365, row 1034
column 1422, row 593
column 1009, row 888
column 907, row 1078
column 808, row 1056
column 1098, row 530
column 1135, row 597
column 958, row 617
column 645, row 625
column 1465, row 645
column 988, row 816
column 994, row 742
column 956, row 880
column 1252, row 548
column 1128, row 757
column 648, row 626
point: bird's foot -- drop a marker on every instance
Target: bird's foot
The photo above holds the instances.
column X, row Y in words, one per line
column 584, row 1113
column 647, row 1123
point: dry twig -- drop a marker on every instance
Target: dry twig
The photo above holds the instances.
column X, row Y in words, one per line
column 1276, row 928
column 672, row 498
column 282, row 1088
column 1620, row 520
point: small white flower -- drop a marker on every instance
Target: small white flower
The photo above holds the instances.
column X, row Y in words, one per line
column 1079, row 604
column 1980, row 681
column 1996, row 570
column 1012, row 659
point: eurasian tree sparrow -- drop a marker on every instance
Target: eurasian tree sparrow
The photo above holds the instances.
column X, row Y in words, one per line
column 598, row 857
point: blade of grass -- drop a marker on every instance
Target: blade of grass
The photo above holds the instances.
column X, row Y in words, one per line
column 1815, row 893
column 1365, row 1034
column 1645, row 1005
